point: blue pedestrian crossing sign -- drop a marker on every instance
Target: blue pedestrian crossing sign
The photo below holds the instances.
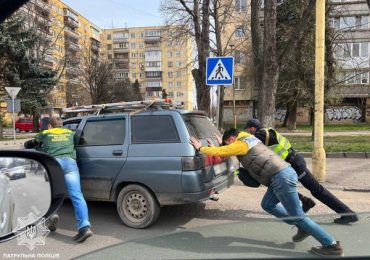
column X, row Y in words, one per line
column 220, row 70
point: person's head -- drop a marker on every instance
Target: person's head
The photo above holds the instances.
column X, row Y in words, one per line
column 55, row 122
column 229, row 136
column 253, row 125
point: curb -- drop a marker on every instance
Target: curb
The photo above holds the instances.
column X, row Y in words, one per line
column 353, row 155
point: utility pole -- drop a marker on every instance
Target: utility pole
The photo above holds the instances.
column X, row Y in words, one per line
column 318, row 155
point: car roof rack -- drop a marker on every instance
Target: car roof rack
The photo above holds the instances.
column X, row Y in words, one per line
column 133, row 107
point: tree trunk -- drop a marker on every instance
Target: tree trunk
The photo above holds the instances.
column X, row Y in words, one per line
column 266, row 106
column 291, row 112
column 257, row 50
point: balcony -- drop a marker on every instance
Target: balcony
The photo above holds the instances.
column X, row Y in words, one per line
column 149, row 89
column 70, row 33
column 117, row 40
column 153, row 74
column 72, row 46
column 44, row 6
column 121, row 50
column 151, row 46
column 71, row 22
column 95, row 48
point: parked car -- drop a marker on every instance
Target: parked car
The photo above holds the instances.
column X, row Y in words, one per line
column 17, row 172
column 24, row 124
column 145, row 161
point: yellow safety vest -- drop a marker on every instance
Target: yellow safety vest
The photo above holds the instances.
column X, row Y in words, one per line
column 283, row 145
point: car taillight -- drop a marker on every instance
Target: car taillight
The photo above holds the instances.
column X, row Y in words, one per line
column 212, row 160
column 192, row 163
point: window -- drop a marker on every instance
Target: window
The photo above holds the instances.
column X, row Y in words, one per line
column 178, row 63
column 123, row 45
column 170, row 64
column 104, row 132
column 178, row 53
column 178, row 74
column 239, row 83
column 153, row 64
column 169, row 54
column 141, row 45
column 133, row 75
column 132, row 35
column 336, row 23
column 133, row 45
column 179, row 94
column 109, row 46
column 240, row 5
column 178, row 84
column 170, row 74
column 121, row 75
column 347, row 22
column 239, row 57
column 133, row 65
column 356, row 50
column 152, row 33
column 120, row 35
column 153, row 53
column 365, row 49
column 239, row 32
column 170, row 84
column 154, row 84
column 153, row 129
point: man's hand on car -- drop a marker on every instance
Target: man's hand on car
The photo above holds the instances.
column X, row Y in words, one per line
column 195, row 142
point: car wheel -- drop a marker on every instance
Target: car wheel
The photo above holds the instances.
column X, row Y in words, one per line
column 137, row 206
column 18, row 130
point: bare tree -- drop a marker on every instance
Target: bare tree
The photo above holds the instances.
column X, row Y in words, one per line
column 192, row 17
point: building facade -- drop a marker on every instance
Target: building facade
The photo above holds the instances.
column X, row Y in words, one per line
column 351, row 21
column 236, row 41
column 146, row 55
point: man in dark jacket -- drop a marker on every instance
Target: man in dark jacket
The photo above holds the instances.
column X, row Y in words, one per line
column 281, row 146
column 270, row 170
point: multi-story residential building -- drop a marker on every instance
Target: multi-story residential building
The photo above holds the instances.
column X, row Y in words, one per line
column 236, row 39
column 351, row 21
column 69, row 39
column 145, row 54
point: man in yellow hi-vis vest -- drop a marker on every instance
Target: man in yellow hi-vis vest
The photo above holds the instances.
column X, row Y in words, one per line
column 281, row 146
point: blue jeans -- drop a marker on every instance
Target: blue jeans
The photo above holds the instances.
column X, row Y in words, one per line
column 72, row 182
column 283, row 188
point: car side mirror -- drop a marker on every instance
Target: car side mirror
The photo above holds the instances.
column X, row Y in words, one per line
column 31, row 184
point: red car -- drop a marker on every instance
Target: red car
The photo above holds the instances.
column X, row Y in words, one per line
column 24, row 124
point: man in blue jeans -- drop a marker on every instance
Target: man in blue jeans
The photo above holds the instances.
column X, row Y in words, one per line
column 58, row 142
column 270, row 170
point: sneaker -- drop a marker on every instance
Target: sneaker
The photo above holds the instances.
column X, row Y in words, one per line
column 83, row 234
column 52, row 223
column 346, row 219
column 300, row 236
column 307, row 204
column 327, row 251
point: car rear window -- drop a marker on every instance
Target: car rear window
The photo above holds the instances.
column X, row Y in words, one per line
column 153, row 129
column 200, row 127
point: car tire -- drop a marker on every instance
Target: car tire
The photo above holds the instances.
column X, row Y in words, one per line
column 137, row 206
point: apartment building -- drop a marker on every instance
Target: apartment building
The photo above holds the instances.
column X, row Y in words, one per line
column 147, row 55
column 351, row 21
column 69, row 39
column 236, row 40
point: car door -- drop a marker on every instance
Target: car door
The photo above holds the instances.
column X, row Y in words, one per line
column 101, row 153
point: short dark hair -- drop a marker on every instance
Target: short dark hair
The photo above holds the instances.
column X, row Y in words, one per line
column 254, row 122
column 229, row 133
column 56, row 121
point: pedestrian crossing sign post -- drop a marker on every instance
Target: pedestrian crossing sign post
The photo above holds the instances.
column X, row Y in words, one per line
column 220, row 70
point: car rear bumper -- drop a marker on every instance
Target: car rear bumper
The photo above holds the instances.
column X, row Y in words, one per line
column 218, row 185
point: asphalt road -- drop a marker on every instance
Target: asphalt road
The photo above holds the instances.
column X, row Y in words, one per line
column 30, row 194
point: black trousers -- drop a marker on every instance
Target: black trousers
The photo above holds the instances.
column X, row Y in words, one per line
column 317, row 190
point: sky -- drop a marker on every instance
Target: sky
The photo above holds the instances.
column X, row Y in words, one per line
column 119, row 13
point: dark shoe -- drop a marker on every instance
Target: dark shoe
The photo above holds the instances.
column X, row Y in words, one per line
column 346, row 219
column 83, row 234
column 52, row 223
column 307, row 204
column 333, row 250
column 300, row 236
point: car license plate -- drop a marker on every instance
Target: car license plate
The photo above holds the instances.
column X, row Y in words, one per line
column 219, row 168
